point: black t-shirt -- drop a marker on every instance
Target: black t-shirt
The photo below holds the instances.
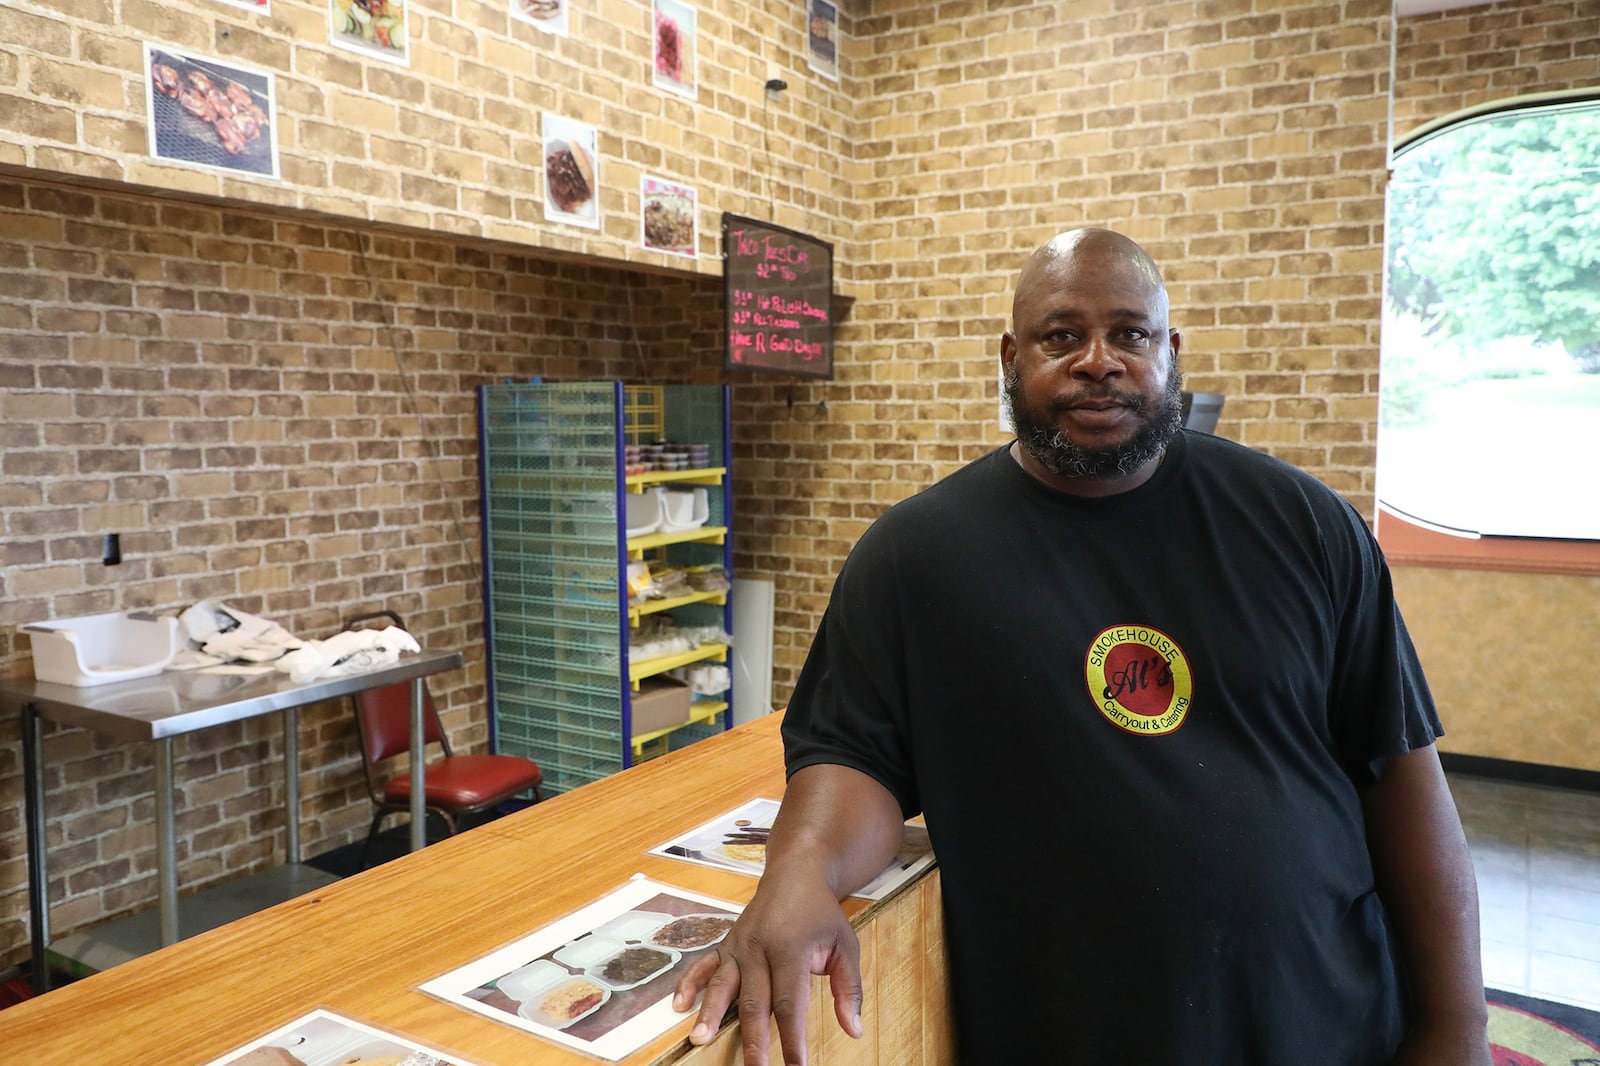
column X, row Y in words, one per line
column 1136, row 725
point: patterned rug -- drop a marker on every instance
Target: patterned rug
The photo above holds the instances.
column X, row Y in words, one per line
column 1537, row 1032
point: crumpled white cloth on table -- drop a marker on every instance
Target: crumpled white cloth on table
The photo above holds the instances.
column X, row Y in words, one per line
column 355, row 651
column 226, row 634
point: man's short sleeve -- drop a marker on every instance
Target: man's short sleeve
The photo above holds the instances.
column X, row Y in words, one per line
column 849, row 704
column 1379, row 701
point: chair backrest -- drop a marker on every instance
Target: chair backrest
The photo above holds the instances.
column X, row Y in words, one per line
column 1201, row 410
column 383, row 721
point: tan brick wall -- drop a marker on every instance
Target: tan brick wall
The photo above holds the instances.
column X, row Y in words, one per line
column 220, row 383
column 1453, row 60
column 1243, row 143
column 281, row 414
column 452, row 143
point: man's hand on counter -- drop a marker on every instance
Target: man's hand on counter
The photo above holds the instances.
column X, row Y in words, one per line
column 836, row 829
column 766, row 961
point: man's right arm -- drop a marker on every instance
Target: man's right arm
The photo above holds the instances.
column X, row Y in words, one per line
column 836, row 830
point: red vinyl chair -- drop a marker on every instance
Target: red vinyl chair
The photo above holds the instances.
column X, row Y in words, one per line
column 455, row 785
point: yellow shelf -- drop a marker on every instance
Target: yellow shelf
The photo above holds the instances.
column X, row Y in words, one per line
column 711, row 475
column 638, row 670
column 703, row 534
column 652, row 606
column 699, row 711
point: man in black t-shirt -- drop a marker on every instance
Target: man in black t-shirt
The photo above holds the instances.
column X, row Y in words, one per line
column 1174, row 747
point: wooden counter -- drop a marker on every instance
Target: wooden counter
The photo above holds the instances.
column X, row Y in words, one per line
column 361, row 946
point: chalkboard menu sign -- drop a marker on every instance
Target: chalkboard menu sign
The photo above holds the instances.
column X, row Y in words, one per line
column 778, row 286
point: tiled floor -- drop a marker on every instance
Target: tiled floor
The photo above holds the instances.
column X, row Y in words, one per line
column 1537, row 854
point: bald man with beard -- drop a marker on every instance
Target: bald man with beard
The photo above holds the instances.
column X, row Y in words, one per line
column 1174, row 748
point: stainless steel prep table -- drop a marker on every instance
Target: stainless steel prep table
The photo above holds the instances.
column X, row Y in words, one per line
column 167, row 705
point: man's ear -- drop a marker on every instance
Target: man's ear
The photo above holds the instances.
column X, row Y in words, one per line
column 1174, row 341
column 1008, row 349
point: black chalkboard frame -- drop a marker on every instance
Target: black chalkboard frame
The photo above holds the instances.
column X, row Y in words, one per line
column 736, row 278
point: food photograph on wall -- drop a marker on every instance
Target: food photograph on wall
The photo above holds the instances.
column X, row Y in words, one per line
column 667, row 217
column 571, row 172
column 374, row 28
column 206, row 113
column 547, row 15
column 323, row 1038
column 674, row 35
column 822, row 38
column 599, row 980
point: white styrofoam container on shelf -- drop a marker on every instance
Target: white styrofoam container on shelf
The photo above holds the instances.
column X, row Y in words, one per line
column 682, row 509
column 97, row 649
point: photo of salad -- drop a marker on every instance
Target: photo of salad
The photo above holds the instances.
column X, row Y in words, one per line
column 371, row 27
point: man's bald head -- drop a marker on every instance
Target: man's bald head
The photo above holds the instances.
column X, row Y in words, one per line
column 1093, row 251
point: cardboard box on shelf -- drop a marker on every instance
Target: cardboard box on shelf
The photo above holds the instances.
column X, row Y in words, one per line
column 659, row 703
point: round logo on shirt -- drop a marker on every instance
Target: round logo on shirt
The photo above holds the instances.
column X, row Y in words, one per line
column 1139, row 679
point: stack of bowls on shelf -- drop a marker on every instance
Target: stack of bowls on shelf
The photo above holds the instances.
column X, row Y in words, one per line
column 666, row 455
column 633, row 460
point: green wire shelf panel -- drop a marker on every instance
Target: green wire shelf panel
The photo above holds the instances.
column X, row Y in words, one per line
column 555, row 556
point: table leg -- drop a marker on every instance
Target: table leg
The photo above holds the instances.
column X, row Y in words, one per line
column 291, row 784
column 38, row 874
column 419, row 809
column 166, row 844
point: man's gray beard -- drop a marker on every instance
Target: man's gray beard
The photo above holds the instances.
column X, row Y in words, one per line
column 1056, row 452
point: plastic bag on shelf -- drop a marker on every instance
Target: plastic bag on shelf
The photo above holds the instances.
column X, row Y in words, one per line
column 707, row 578
column 705, row 679
column 699, row 635
column 640, row 582
column 668, row 582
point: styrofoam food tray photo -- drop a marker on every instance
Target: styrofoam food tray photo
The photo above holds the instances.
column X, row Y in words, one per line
column 668, row 935
column 585, row 951
column 542, row 1009
column 633, row 925
column 640, row 952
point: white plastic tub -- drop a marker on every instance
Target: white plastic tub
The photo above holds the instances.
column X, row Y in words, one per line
column 97, row 649
column 643, row 512
column 684, row 509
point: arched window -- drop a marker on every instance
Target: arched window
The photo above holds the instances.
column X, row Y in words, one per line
column 1489, row 417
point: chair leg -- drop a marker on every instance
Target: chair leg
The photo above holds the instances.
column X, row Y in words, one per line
column 372, row 834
